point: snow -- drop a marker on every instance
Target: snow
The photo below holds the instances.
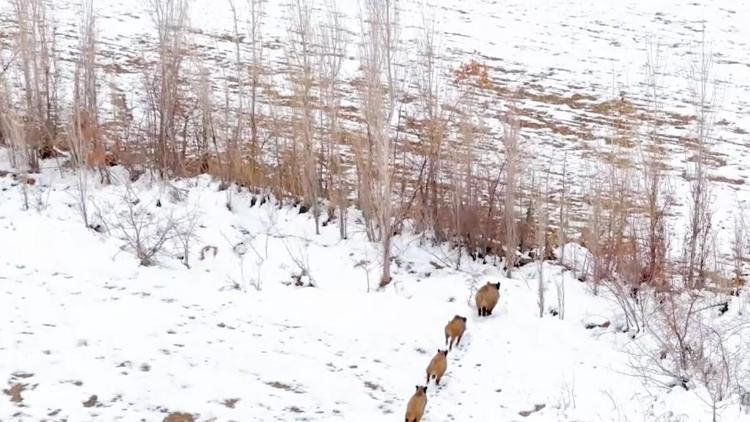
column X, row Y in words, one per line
column 80, row 318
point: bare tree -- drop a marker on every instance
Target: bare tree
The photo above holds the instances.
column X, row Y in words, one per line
column 739, row 244
column 185, row 236
column 380, row 34
column 511, row 150
column 333, row 42
column 433, row 133
column 592, row 235
column 234, row 144
column 653, row 184
column 254, row 29
column 36, row 44
column 563, row 217
column 697, row 245
column 171, row 20
column 84, row 145
column 11, row 125
column 562, row 235
column 303, row 60
column 205, row 132
column 541, row 239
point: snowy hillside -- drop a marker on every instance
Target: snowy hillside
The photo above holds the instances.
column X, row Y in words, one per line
column 566, row 65
column 87, row 334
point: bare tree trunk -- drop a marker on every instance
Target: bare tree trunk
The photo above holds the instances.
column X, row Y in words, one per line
column 653, row 180
column 562, row 235
column 234, row 149
column 739, row 245
column 256, row 47
column 333, row 43
column 541, row 241
column 511, row 150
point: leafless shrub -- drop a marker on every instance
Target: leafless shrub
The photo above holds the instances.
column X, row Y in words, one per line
column 365, row 266
column 568, row 395
column 685, row 349
column 301, row 259
column 145, row 232
column 255, row 245
column 185, row 235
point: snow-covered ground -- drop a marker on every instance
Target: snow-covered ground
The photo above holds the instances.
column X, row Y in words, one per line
column 80, row 318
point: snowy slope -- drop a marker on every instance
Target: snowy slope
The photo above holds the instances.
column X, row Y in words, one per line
column 81, row 318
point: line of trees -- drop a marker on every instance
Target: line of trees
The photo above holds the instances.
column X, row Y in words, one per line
column 396, row 142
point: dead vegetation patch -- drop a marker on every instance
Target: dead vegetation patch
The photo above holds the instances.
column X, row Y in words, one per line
column 179, row 417
column 14, row 393
column 620, row 106
column 286, row 387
